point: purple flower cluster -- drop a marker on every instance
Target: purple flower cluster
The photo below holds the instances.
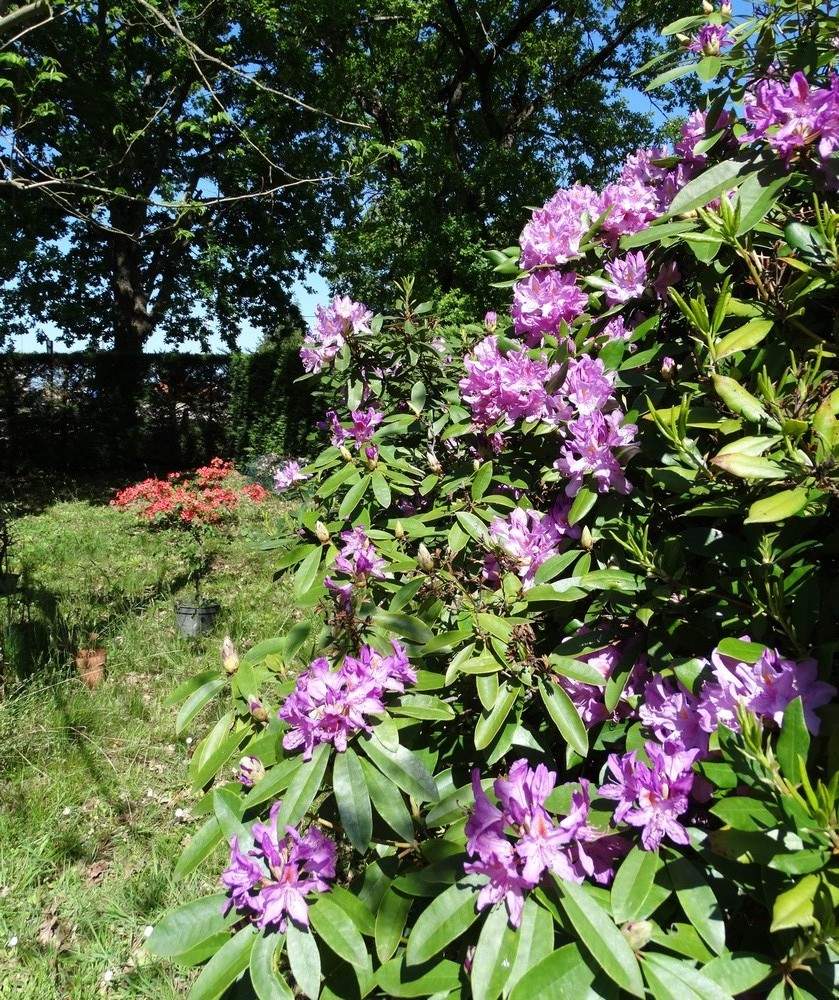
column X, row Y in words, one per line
column 512, row 386
column 269, row 883
column 711, row 39
column 287, row 474
column 360, row 431
column 544, row 300
column 570, row 847
column 555, row 231
column 588, row 699
column 795, row 117
column 333, row 325
column 358, row 557
column 628, row 278
column 525, row 540
column 590, row 451
column 766, row 687
column 330, row 706
column 652, row 796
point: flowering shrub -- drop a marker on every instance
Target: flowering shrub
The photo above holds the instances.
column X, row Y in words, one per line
column 197, row 502
column 573, row 574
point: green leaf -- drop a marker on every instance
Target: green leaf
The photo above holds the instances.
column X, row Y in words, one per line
column 794, row 741
column 565, row 716
column 338, row 931
column 417, row 397
column 381, row 490
column 267, row 982
column 738, row 972
column 699, row 903
column 654, row 233
column 794, row 908
column 303, row 959
column 437, row 979
column 747, row 336
column 276, row 780
column 682, row 980
column 778, row 507
column 607, row 946
column 670, row 74
column 189, row 685
column 228, row 963
column 352, row 798
column 756, row 197
column 390, row 923
column 494, row 955
column 708, row 68
column 490, row 722
column 577, row 670
column 633, row 884
column 355, row 908
column 536, row 941
column 201, row 845
column 403, row 767
column 472, row 525
column 749, row 466
column 388, row 802
column 738, row 649
column 740, row 400
column 480, row 484
column 186, row 928
column 708, row 185
column 228, row 808
column 196, row 701
column 442, row 921
column 424, row 706
column 303, row 788
column 306, row 573
column 562, row 975
column 583, row 502
column 407, row 626
column 353, row 498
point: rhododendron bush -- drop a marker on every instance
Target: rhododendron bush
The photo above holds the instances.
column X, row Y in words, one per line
column 563, row 722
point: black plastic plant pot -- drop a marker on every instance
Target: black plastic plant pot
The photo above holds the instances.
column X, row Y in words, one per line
column 196, row 619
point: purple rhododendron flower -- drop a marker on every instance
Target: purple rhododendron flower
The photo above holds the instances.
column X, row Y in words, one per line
column 490, row 320
column 590, row 452
column 589, row 699
column 364, row 424
column 525, row 539
column 631, row 205
column 765, row 688
column 652, row 796
column 616, row 329
column 672, row 713
column 269, row 883
column 330, row 706
column 358, row 558
column 511, row 386
column 251, row 770
column 711, row 40
column 332, row 326
column 629, row 278
column 544, row 300
column 796, row 116
column 286, row 475
column 588, row 386
column 668, row 274
column 570, row 847
column 554, row 232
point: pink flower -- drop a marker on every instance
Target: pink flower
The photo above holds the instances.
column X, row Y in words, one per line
column 286, row 475
column 332, row 326
column 590, row 451
column 554, row 232
column 490, row 321
column 795, row 117
column 588, row 386
column 672, row 713
column 358, row 558
column 544, row 300
column 525, row 539
column 629, row 278
column 711, row 40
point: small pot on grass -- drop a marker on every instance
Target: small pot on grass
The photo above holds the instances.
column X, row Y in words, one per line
column 194, row 618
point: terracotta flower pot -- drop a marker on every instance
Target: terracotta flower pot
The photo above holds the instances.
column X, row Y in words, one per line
column 90, row 663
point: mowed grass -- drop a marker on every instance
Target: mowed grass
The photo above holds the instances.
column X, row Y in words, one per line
column 94, row 801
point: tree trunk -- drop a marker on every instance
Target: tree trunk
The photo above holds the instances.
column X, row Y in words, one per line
column 132, row 322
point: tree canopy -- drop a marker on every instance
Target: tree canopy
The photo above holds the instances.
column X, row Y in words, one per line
column 175, row 167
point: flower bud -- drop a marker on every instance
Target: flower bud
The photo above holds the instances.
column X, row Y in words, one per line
column 683, row 39
column 258, row 711
column 399, row 531
column 491, row 321
column 637, row 933
column 426, row 560
column 322, row 532
column 229, row 656
column 251, row 770
column 668, row 369
column 371, row 453
column 725, row 9
column 586, row 541
column 707, row 8
column 434, row 463
column 345, row 453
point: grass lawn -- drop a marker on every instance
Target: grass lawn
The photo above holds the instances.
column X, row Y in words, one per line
column 94, row 801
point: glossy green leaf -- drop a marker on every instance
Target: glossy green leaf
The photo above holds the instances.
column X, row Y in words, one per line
column 565, row 716
column 604, row 942
column 794, row 741
column 303, row 959
column 481, row 481
column 778, row 507
column 307, row 572
column 698, row 901
column 633, row 884
column 494, row 955
column 743, row 338
column 491, row 722
column 708, row 185
column 336, row 928
column 740, row 400
column 186, row 927
column 794, row 908
column 390, row 923
column 381, row 490
column 756, row 196
column 352, row 798
column 303, row 788
column 353, row 498
column 224, row 968
column 445, row 918
column 436, row 979
column 749, row 466
column 682, row 979
column 388, row 802
column 536, row 941
column 562, row 975
column 201, row 845
column 403, row 767
column 196, row 701
column 738, row 972
column 266, row 979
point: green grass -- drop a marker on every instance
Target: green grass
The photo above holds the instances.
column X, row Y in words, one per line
column 94, row 801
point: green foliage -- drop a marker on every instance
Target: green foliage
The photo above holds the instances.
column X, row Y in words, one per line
column 726, row 548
